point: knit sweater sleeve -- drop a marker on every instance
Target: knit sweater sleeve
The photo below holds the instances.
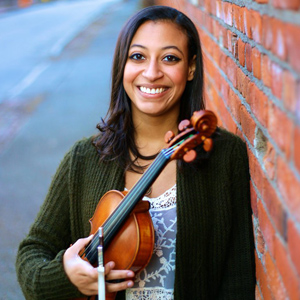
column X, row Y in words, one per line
column 39, row 260
column 239, row 273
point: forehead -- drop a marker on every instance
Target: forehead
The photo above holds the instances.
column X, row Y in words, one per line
column 160, row 34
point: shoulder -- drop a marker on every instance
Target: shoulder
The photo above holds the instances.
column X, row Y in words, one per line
column 228, row 143
column 83, row 147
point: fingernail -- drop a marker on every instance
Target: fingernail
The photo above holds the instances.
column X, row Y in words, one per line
column 130, row 274
column 130, row 284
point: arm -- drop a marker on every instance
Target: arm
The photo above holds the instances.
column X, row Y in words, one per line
column 239, row 274
column 47, row 267
column 39, row 260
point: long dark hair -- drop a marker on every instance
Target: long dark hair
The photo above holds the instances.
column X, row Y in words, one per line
column 116, row 138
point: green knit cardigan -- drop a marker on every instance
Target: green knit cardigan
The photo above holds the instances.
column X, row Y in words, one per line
column 214, row 244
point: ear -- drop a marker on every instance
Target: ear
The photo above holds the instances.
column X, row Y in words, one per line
column 192, row 69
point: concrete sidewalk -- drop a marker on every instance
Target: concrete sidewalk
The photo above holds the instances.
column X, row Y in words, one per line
column 75, row 93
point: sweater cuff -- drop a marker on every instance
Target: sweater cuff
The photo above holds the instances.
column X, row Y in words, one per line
column 54, row 275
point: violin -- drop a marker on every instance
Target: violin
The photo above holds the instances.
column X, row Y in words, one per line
column 124, row 216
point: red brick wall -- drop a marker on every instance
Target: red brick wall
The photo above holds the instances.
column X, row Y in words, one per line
column 252, row 81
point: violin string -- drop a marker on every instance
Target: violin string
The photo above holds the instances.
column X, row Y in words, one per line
column 92, row 247
column 158, row 162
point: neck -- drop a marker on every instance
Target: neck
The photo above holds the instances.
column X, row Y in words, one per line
column 150, row 132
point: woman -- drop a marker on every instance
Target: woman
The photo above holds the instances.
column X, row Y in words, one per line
column 157, row 81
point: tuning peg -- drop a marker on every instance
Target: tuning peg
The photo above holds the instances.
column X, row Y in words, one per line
column 169, row 136
column 207, row 145
column 189, row 156
column 184, row 124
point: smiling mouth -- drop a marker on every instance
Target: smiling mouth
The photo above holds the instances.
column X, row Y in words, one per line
column 152, row 91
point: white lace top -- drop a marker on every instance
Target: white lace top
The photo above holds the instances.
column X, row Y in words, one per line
column 156, row 281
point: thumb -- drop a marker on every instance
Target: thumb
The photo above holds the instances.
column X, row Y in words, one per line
column 80, row 243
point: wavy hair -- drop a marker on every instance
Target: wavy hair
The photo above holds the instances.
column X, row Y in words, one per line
column 115, row 140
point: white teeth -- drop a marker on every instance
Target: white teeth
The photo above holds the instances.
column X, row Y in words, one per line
column 152, row 91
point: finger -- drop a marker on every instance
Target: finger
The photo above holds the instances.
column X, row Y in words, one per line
column 119, row 274
column 80, row 243
column 109, row 266
column 115, row 287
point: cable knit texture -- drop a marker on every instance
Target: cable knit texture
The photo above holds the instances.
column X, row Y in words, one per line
column 214, row 247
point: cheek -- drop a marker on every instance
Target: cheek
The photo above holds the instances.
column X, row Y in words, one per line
column 130, row 73
column 179, row 78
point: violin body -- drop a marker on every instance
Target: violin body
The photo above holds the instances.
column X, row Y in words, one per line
column 134, row 240
column 132, row 246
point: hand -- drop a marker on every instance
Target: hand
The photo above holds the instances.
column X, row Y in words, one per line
column 85, row 277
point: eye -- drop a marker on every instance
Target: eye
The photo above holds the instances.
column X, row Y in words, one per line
column 137, row 56
column 171, row 58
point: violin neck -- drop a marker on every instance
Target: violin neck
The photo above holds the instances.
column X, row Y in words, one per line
column 126, row 206
column 114, row 222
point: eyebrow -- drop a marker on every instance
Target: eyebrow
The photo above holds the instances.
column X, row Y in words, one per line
column 164, row 48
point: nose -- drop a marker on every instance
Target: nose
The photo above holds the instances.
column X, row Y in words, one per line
column 152, row 71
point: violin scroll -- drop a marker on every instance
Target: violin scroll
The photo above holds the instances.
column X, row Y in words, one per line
column 204, row 121
column 193, row 132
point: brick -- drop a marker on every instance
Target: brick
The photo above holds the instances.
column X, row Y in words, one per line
column 260, row 106
column 287, row 4
column 238, row 20
column 234, row 46
column 266, row 226
column 276, row 285
column 248, row 124
column 224, row 89
column 279, row 42
column 247, row 23
column 235, row 105
column 227, row 8
column 256, row 172
column 270, row 161
column 294, row 244
column 277, row 75
column 287, row 270
column 223, row 37
column 298, row 100
column 258, row 295
column 231, row 71
column 253, row 200
column 289, row 91
column 297, row 148
column 241, row 52
column 292, row 35
column 219, row 9
column 258, row 102
column 227, row 118
column 266, row 70
column 243, row 83
column 256, row 26
column 262, row 279
column 267, row 32
column 275, row 208
column 289, row 187
column 280, row 128
column 256, row 63
column 216, row 29
column 229, row 40
column 210, row 7
column 260, row 242
column 248, row 50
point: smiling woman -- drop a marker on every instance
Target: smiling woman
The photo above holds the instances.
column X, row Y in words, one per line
column 200, row 250
column 157, row 70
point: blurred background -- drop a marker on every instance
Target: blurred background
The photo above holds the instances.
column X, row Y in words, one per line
column 55, row 62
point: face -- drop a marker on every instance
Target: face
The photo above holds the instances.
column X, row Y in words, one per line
column 157, row 69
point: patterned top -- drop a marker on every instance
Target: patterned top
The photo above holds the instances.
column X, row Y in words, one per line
column 156, row 281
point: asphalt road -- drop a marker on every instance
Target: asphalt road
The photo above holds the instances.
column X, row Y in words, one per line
column 63, row 105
